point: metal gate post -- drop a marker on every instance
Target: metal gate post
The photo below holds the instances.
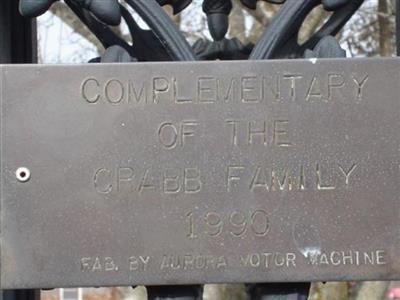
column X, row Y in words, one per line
column 20, row 295
column 398, row 26
column 17, row 35
column 279, row 291
column 17, row 45
column 173, row 292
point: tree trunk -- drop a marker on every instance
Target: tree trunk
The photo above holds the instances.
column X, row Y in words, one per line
column 224, row 292
column 372, row 290
column 313, row 21
column 385, row 35
column 329, row 291
column 237, row 23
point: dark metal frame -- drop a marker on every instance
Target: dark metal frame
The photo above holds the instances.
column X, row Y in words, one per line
column 17, row 35
column 398, row 26
column 18, row 44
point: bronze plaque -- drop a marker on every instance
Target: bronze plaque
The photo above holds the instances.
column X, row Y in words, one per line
column 178, row 173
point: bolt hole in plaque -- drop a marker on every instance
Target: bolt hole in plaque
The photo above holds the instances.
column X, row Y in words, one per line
column 23, row 174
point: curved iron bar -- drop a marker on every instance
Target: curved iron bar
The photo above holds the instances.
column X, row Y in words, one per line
column 163, row 27
column 130, row 21
column 284, row 25
column 280, row 37
column 145, row 45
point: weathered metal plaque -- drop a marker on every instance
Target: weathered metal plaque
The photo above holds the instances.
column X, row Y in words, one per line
column 200, row 172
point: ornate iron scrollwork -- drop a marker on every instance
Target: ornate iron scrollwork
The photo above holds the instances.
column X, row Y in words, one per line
column 165, row 42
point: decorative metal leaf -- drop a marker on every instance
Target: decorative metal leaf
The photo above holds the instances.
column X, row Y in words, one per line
column 328, row 47
column 106, row 11
column 116, row 54
column 34, row 8
column 217, row 12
